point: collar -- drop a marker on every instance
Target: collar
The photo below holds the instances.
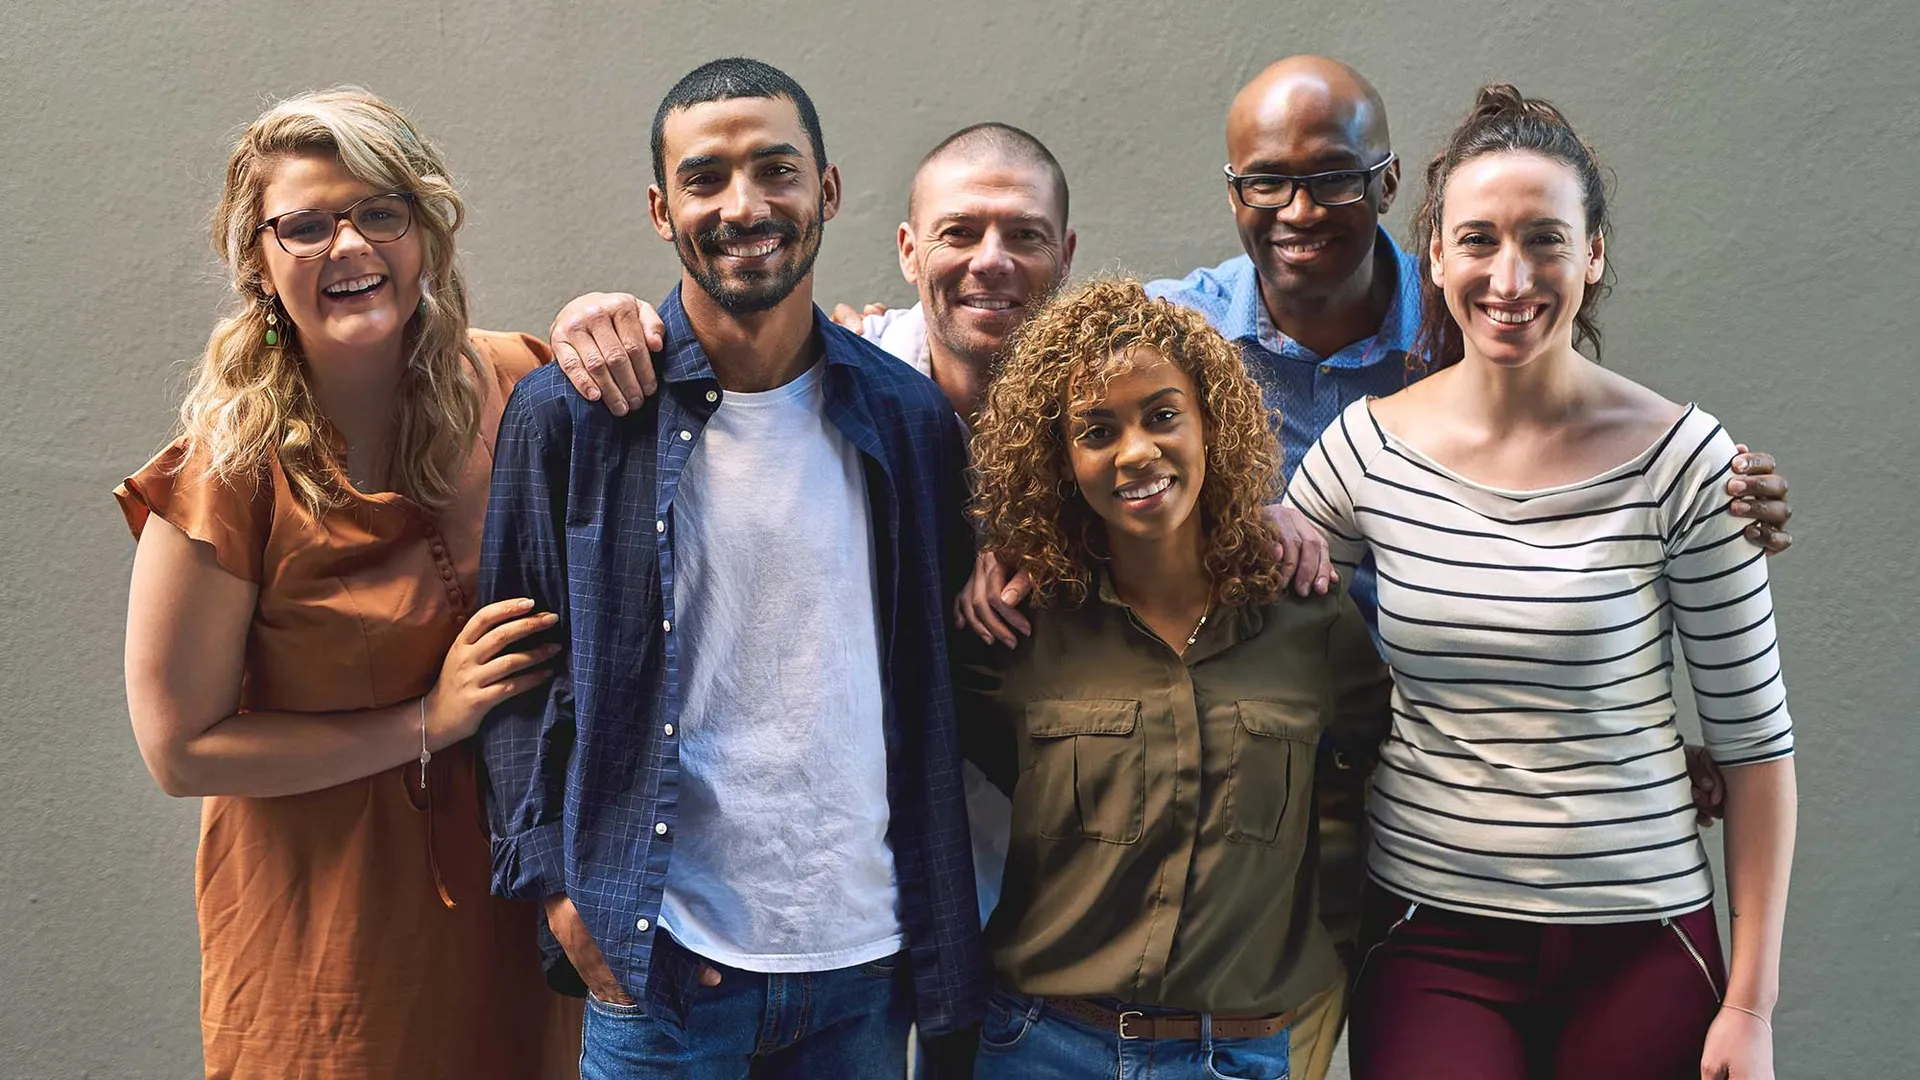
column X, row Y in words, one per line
column 1246, row 319
column 683, row 359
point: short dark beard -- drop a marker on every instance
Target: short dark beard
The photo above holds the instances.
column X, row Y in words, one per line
column 771, row 288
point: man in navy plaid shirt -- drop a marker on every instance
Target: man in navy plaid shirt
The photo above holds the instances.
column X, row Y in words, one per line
column 742, row 786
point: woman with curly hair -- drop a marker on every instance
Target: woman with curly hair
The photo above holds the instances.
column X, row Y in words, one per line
column 303, row 649
column 1541, row 903
column 1157, row 731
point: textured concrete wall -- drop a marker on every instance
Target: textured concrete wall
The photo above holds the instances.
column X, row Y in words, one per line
column 1766, row 249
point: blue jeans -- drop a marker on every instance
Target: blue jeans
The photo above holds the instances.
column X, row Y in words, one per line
column 1023, row 1040
column 847, row 1025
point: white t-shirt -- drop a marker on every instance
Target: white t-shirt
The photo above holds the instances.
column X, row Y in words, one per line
column 781, row 863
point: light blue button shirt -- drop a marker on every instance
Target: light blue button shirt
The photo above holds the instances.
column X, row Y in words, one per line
column 1308, row 389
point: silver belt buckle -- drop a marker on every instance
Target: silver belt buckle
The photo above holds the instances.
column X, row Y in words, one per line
column 1123, row 1022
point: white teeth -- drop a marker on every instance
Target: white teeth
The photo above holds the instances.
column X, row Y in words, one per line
column 1148, row 489
column 359, row 284
column 1304, row 245
column 751, row 251
column 987, row 305
column 1513, row 318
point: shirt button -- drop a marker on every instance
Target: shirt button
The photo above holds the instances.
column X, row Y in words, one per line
column 660, row 828
column 686, row 436
column 669, row 729
column 713, row 395
column 1325, row 368
column 643, row 926
column 660, row 526
column 667, row 625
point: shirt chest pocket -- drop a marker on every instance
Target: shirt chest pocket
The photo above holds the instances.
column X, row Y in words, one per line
column 1089, row 774
column 1270, row 777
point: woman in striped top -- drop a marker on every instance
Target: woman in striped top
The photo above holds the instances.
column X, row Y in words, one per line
column 1542, row 904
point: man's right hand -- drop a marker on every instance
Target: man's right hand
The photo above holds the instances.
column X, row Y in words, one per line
column 604, row 342
column 571, row 931
column 989, row 605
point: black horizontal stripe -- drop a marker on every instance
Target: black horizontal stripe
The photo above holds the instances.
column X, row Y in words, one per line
column 1774, row 756
column 1533, row 886
column 1754, row 625
column 1585, row 541
column 1544, row 519
column 1775, row 677
column 1539, row 740
column 1556, row 856
column 1510, row 823
column 1682, row 775
column 1509, row 567
column 1692, row 456
column 1664, row 665
column 1722, row 542
column 1532, row 710
column 1756, row 557
column 1536, row 631
column 1528, row 915
column 1499, row 598
column 1705, row 719
column 1724, row 604
column 1731, row 664
column 1550, row 661
column 1324, row 525
column 1543, row 769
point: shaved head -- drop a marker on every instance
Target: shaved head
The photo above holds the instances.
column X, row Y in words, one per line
column 1305, row 116
column 992, row 144
column 1311, row 91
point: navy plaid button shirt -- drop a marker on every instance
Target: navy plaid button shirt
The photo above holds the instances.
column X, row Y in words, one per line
column 583, row 775
column 1308, row 390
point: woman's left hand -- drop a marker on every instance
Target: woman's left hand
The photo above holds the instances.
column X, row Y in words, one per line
column 1739, row 1047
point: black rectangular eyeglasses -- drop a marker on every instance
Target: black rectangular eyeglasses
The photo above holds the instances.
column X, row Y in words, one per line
column 1271, row 191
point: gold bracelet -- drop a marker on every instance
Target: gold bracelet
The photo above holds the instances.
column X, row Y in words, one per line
column 426, row 755
column 1749, row 1012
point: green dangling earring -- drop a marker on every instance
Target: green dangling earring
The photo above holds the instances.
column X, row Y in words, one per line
column 273, row 323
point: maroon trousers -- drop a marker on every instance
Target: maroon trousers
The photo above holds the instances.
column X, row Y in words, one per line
column 1444, row 996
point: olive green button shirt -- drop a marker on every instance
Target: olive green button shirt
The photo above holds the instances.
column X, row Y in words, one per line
column 1162, row 848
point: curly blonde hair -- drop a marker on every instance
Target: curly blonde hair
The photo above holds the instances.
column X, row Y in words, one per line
column 1060, row 363
column 250, row 402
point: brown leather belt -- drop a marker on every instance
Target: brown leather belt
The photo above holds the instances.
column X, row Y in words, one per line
column 1134, row 1024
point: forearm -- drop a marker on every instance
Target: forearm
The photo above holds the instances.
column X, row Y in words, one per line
column 1761, row 816
column 264, row 754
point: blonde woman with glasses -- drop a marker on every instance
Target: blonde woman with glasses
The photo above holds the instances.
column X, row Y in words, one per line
column 303, row 649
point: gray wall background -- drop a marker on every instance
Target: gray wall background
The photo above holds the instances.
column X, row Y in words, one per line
column 1766, row 155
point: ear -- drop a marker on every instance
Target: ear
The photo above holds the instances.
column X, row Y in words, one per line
column 1596, row 259
column 1389, row 186
column 1436, row 266
column 904, row 239
column 829, row 193
column 1066, row 253
column 660, row 212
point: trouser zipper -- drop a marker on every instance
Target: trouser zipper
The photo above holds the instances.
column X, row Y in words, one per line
column 1686, row 942
column 1412, row 906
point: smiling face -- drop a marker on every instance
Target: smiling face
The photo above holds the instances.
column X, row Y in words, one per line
column 1139, row 451
column 744, row 200
column 355, row 296
column 1303, row 251
column 988, row 240
column 1512, row 255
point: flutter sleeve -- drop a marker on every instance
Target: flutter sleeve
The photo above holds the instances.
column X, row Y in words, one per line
column 232, row 517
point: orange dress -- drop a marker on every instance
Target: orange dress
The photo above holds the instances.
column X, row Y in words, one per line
column 349, row 933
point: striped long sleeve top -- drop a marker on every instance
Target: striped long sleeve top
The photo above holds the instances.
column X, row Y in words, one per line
column 1534, row 770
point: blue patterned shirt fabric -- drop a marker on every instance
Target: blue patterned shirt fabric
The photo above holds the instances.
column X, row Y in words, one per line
column 1307, row 389
column 583, row 774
